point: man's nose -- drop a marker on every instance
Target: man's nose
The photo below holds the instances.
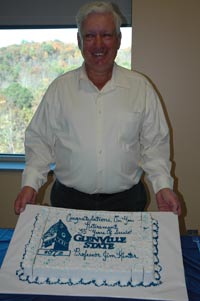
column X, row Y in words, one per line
column 98, row 40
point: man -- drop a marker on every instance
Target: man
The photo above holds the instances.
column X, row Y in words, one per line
column 102, row 126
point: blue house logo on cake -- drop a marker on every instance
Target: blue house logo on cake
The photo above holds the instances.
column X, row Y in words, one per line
column 55, row 242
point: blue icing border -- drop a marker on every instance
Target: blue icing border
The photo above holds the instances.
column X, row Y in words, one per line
column 70, row 282
column 20, row 272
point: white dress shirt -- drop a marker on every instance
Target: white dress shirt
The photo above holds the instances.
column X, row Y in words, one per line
column 101, row 141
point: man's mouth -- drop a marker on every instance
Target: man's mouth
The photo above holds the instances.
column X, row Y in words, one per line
column 98, row 54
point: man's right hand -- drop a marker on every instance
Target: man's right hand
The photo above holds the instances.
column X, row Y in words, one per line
column 26, row 196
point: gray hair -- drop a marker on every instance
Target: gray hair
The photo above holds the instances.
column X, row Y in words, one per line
column 99, row 7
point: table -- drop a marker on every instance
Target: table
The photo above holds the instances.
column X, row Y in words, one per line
column 191, row 259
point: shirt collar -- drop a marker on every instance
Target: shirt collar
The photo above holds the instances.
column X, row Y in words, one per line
column 118, row 79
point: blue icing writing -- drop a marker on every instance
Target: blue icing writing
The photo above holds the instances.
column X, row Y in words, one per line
column 51, row 252
column 123, row 219
column 125, row 232
column 121, row 255
column 93, row 245
column 99, row 242
column 99, row 229
column 76, row 219
column 85, row 254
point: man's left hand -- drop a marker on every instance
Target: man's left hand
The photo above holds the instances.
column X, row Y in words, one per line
column 167, row 200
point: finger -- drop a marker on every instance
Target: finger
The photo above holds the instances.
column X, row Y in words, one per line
column 178, row 210
column 20, row 205
column 18, row 209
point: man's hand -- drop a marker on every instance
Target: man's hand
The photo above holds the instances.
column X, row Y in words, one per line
column 26, row 196
column 167, row 200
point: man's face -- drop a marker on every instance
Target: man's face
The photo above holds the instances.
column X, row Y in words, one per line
column 100, row 42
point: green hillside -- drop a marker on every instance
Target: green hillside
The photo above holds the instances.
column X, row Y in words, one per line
column 26, row 70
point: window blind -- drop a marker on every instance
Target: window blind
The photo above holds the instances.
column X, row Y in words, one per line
column 49, row 12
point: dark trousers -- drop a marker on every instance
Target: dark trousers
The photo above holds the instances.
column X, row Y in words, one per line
column 133, row 199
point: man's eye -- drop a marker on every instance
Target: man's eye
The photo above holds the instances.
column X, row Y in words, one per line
column 89, row 36
column 108, row 36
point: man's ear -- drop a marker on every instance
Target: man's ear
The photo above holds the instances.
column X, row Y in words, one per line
column 119, row 39
column 79, row 41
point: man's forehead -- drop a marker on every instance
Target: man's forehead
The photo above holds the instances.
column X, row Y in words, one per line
column 99, row 22
column 98, row 18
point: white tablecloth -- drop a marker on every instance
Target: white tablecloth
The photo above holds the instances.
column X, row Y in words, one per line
column 173, row 281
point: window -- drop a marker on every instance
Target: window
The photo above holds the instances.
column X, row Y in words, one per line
column 38, row 43
column 30, row 60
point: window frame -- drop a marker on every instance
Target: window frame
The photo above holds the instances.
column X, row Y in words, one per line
column 12, row 161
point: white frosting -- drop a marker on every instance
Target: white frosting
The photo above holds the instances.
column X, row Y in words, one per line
column 76, row 246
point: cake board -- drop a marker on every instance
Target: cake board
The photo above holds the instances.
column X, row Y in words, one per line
column 173, row 287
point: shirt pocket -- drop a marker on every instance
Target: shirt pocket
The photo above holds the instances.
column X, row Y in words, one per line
column 129, row 130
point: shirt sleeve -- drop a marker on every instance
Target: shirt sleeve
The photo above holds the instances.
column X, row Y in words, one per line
column 155, row 143
column 39, row 143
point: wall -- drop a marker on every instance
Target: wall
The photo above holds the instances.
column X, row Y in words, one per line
column 10, row 184
column 9, row 187
column 166, row 47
